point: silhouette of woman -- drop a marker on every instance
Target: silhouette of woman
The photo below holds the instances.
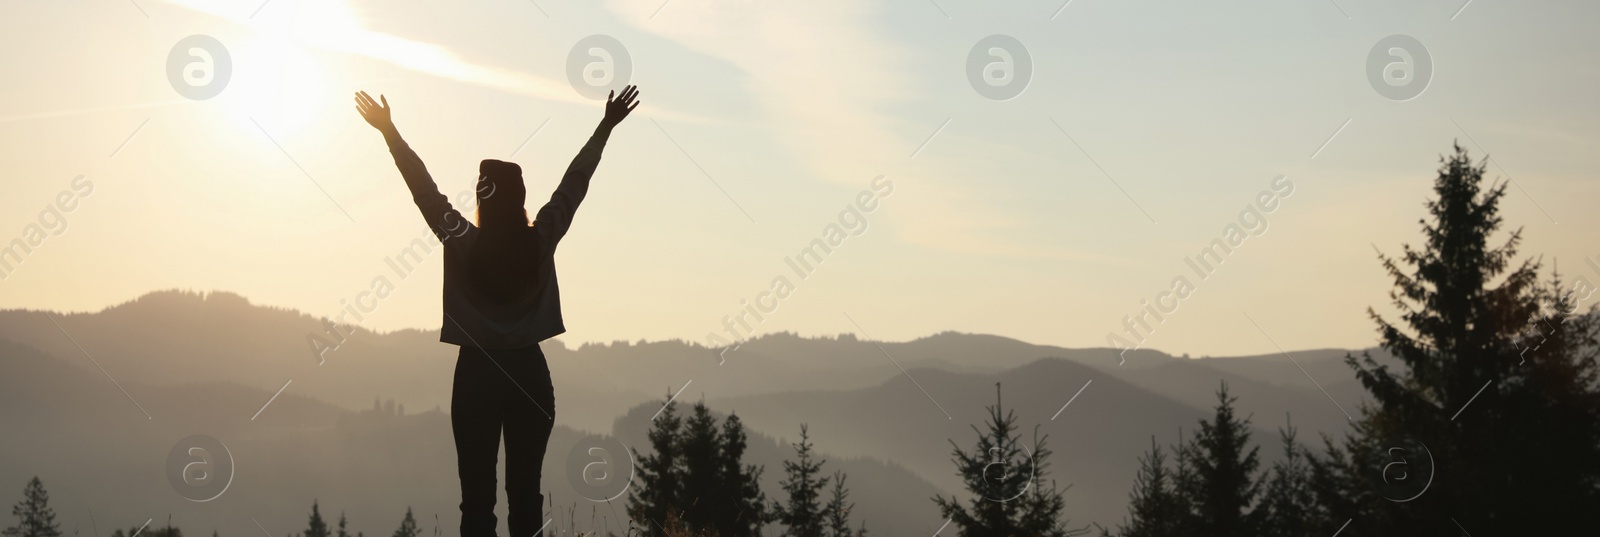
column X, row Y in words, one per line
column 500, row 301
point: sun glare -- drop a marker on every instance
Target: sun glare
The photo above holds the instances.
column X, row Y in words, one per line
column 280, row 84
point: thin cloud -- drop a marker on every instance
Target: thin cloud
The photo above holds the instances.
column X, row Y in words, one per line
column 331, row 25
column 823, row 74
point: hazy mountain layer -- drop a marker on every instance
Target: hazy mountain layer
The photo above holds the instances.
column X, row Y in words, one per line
column 209, row 363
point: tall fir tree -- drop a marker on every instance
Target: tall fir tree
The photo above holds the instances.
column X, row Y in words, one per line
column 1007, row 480
column 408, row 526
column 837, row 513
column 702, row 462
column 1288, row 507
column 697, row 478
column 803, row 514
column 1155, row 506
column 341, row 531
column 741, row 495
column 316, row 527
column 1224, row 486
column 1184, row 481
column 660, row 474
column 1496, row 385
column 35, row 517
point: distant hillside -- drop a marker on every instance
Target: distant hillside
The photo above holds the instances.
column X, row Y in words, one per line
column 190, row 337
column 208, row 362
column 96, row 450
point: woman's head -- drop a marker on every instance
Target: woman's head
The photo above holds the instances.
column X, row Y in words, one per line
column 501, row 194
column 502, row 262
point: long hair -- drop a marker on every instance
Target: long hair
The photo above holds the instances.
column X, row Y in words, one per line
column 503, row 262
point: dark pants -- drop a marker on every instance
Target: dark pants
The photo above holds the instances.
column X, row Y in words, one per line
column 502, row 391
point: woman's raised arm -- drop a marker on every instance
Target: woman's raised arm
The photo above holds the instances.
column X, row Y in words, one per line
column 445, row 220
column 555, row 217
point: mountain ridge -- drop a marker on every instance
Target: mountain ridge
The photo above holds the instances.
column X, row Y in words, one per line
column 244, row 372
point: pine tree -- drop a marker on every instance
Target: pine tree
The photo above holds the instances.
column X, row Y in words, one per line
column 316, row 527
column 702, row 459
column 697, row 478
column 1155, row 507
column 837, row 513
column 408, row 526
column 341, row 531
column 660, row 474
column 743, row 504
column 804, row 514
column 1184, row 481
column 1224, row 470
column 1007, row 480
column 1496, row 376
column 1289, row 508
column 35, row 518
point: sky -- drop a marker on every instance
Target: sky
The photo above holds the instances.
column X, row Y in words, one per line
column 1141, row 131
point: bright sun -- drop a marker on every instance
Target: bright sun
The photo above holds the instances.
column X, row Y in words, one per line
column 280, row 84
